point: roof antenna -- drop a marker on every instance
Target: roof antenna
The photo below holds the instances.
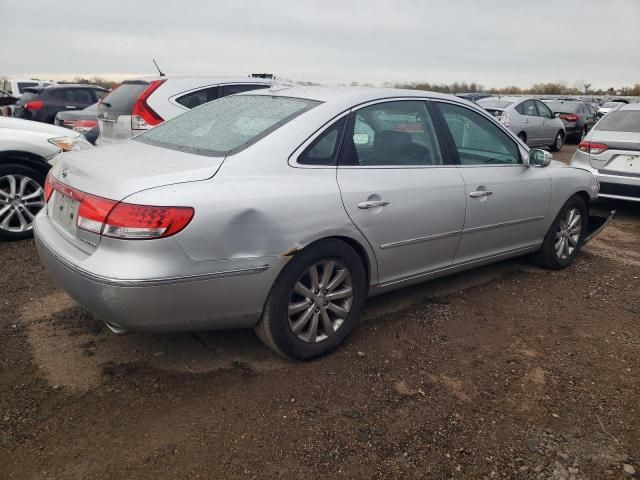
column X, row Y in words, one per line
column 157, row 67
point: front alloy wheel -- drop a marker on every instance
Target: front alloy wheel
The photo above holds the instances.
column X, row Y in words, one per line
column 21, row 198
column 568, row 234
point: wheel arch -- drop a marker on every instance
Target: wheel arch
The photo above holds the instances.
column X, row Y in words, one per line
column 25, row 158
column 368, row 259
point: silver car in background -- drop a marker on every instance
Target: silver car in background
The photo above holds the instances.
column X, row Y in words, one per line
column 283, row 209
column 611, row 151
column 529, row 118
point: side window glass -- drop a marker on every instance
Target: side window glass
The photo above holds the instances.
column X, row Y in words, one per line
column 59, row 94
column 233, row 89
column 479, row 141
column 324, row 149
column 194, row 99
column 80, row 96
column 543, row 110
column 397, row 133
column 529, row 108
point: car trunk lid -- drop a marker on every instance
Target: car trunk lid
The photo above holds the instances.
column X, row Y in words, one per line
column 114, row 173
column 622, row 156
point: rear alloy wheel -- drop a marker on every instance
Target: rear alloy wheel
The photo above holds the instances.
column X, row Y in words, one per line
column 315, row 302
column 21, row 198
column 565, row 237
column 558, row 142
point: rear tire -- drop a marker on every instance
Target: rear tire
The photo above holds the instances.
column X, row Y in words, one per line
column 332, row 308
column 565, row 236
column 21, row 198
column 558, row 142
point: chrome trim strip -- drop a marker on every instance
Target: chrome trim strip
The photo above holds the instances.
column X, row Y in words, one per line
column 503, row 224
column 411, row 241
column 146, row 282
column 455, row 266
column 617, row 173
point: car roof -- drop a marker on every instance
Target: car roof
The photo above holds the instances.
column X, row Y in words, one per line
column 56, row 86
column 220, row 78
column 629, row 106
column 353, row 95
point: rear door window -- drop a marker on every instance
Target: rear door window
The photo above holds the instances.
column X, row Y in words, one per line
column 527, row 108
column 395, row 133
column 197, row 98
column 239, row 88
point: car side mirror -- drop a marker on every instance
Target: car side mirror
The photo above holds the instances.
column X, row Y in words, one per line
column 539, row 158
column 556, row 115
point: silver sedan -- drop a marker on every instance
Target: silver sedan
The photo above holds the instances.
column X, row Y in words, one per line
column 531, row 120
column 284, row 209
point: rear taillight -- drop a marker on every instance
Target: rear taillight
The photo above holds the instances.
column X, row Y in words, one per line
column 84, row 125
column 505, row 119
column 569, row 117
column 48, row 187
column 592, row 148
column 143, row 116
column 35, row 105
column 128, row 221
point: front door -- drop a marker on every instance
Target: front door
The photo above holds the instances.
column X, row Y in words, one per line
column 550, row 126
column 507, row 201
column 398, row 189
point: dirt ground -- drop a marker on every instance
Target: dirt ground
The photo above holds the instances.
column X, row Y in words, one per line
column 507, row 371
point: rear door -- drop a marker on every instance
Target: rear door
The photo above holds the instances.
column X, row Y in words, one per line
column 506, row 202
column 550, row 126
column 532, row 122
column 400, row 189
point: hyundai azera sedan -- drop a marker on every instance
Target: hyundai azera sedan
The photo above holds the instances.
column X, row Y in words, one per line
column 283, row 209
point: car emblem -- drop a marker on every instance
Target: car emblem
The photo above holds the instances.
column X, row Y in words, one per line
column 65, row 172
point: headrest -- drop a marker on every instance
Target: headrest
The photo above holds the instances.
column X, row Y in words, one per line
column 391, row 141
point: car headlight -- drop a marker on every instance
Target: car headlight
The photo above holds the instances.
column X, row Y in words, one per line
column 68, row 144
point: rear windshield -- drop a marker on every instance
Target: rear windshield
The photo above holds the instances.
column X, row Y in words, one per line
column 563, row 107
column 612, row 104
column 121, row 100
column 620, row 121
column 494, row 103
column 226, row 126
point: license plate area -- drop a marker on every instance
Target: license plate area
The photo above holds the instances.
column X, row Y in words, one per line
column 64, row 211
column 625, row 164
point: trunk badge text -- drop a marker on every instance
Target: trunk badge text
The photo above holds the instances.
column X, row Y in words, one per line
column 65, row 172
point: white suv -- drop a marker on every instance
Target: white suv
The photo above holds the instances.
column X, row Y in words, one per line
column 139, row 104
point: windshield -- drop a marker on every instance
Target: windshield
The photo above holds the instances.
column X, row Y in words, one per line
column 620, row 121
column 225, row 126
column 612, row 104
column 494, row 103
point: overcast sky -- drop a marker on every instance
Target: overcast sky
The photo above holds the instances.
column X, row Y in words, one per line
column 493, row 42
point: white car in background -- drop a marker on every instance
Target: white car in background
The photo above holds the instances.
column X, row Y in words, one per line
column 139, row 104
column 26, row 151
column 16, row 87
column 607, row 107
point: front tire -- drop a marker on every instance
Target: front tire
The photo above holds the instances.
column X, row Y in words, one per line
column 21, row 198
column 565, row 236
column 558, row 142
column 315, row 302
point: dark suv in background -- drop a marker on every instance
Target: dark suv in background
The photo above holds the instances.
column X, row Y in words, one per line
column 43, row 103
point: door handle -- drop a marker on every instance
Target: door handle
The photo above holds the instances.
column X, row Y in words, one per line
column 373, row 204
column 481, row 193
column 70, row 106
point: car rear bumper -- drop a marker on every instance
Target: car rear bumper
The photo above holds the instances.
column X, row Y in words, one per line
column 226, row 298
